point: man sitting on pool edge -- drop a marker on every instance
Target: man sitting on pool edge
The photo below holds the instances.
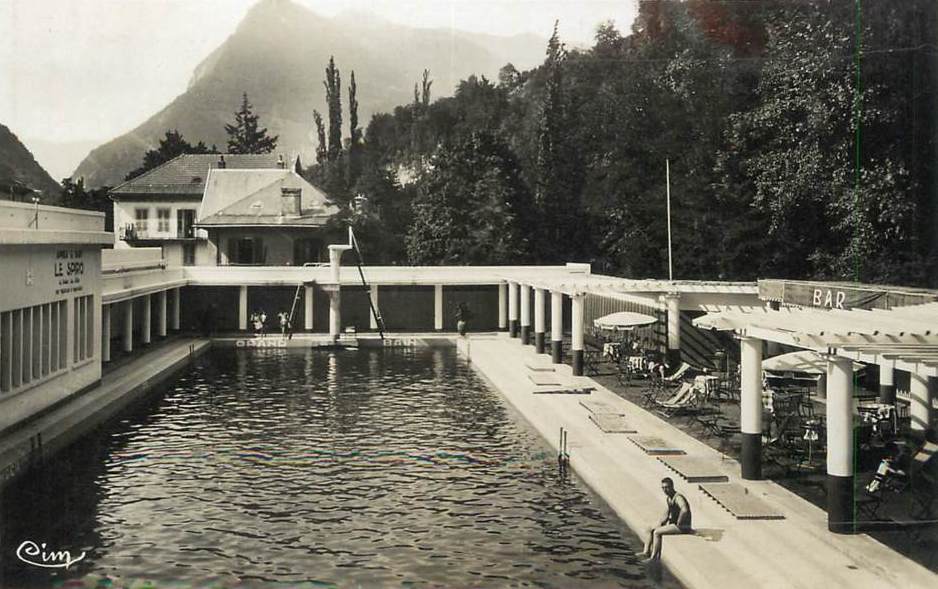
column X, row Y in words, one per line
column 677, row 520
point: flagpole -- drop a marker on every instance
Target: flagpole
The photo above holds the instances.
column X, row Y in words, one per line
column 667, row 175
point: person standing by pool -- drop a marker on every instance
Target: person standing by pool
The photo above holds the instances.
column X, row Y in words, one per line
column 676, row 520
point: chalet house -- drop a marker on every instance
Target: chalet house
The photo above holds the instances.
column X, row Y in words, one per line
column 162, row 208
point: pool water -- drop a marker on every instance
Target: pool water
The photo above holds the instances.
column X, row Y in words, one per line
column 292, row 468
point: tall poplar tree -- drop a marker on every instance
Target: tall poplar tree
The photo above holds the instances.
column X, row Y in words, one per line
column 321, row 136
column 246, row 135
column 333, row 86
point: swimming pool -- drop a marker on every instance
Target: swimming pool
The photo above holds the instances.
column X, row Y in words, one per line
column 293, row 468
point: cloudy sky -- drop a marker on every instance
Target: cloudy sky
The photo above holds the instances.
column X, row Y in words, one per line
column 73, row 70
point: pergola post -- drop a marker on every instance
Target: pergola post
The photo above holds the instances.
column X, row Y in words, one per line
column 673, row 301
column 525, row 314
column 750, row 407
column 539, row 320
column 887, row 382
column 840, row 473
column 920, row 408
column 556, row 326
column 502, row 306
column 577, row 335
column 513, row 309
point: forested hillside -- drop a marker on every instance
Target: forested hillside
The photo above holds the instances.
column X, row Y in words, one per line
column 800, row 135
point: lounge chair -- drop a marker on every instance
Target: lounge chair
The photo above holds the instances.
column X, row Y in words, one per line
column 686, row 400
column 679, row 373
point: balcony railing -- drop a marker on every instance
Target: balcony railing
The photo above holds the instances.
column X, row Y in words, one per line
column 130, row 232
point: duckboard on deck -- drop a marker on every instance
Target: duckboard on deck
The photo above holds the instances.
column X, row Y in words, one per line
column 655, row 446
column 601, row 408
column 694, row 469
column 741, row 504
column 611, row 423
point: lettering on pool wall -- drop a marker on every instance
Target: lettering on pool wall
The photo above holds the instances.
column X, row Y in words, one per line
column 833, row 299
column 69, row 269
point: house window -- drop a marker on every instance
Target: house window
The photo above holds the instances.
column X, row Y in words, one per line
column 162, row 220
column 185, row 221
column 141, row 217
column 246, row 250
column 306, row 250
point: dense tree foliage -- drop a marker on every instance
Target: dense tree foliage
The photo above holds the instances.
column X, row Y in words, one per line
column 801, row 139
column 172, row 145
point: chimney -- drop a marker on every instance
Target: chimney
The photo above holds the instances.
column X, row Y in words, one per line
column 280, row 163
column 221, row 162
column 290, row 201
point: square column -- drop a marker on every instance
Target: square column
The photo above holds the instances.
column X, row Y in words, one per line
column 128, row 336
column 556, row 326
column 308, row 307
column 887, row 382
column 177, row 301
column 525, row 314
column 243, row 308
column 502, row 306
column 147, row 321
column 920, row 408
column 105, row 333
column 438, row 307
column 161, row 314
column 750, row 407
column 539, row 320
column 372, row 322
column 840, row 473
column 513, row 309
column 577, row 335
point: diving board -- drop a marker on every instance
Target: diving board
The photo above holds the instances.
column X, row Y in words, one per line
column 694, row 469
column 655, row 446
column 741, row 504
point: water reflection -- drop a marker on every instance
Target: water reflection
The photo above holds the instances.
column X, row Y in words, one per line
column 371, row 467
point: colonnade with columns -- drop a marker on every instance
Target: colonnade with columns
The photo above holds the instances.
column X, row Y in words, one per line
column 840, row 423
column 168, row 304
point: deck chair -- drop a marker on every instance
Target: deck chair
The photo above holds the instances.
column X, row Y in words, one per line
column 686, row 400
column 923, row 479
column 679, row 373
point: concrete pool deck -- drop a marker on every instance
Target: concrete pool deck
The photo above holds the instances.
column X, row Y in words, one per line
column 797, row 551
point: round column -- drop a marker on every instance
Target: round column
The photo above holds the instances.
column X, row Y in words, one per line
column 513, row 309
column 177, row 301
column 840, row 474
column 525, row 314
column 161, row 314
column 128, row 337
column 887, row 382
column 105, row 333
column 556, row 326
column 502, row 307
column 335, row 314
column 147, row 320
column 750, row 407
column 243, row 307
column 577, row 335
column 539, row 322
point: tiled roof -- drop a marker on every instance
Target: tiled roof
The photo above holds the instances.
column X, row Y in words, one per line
column 254, row 197
column 186, row 174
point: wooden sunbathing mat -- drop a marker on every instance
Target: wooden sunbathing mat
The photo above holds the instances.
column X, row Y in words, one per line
column 739, row 502
column 611, row 423
column 694, row 469
column 655, row 445
column 601, row 407
column 539, row 367
column 544, row 379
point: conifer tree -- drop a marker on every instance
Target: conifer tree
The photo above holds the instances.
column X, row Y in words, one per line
column 333, row 86
column 246, row 135
column 355, row 133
